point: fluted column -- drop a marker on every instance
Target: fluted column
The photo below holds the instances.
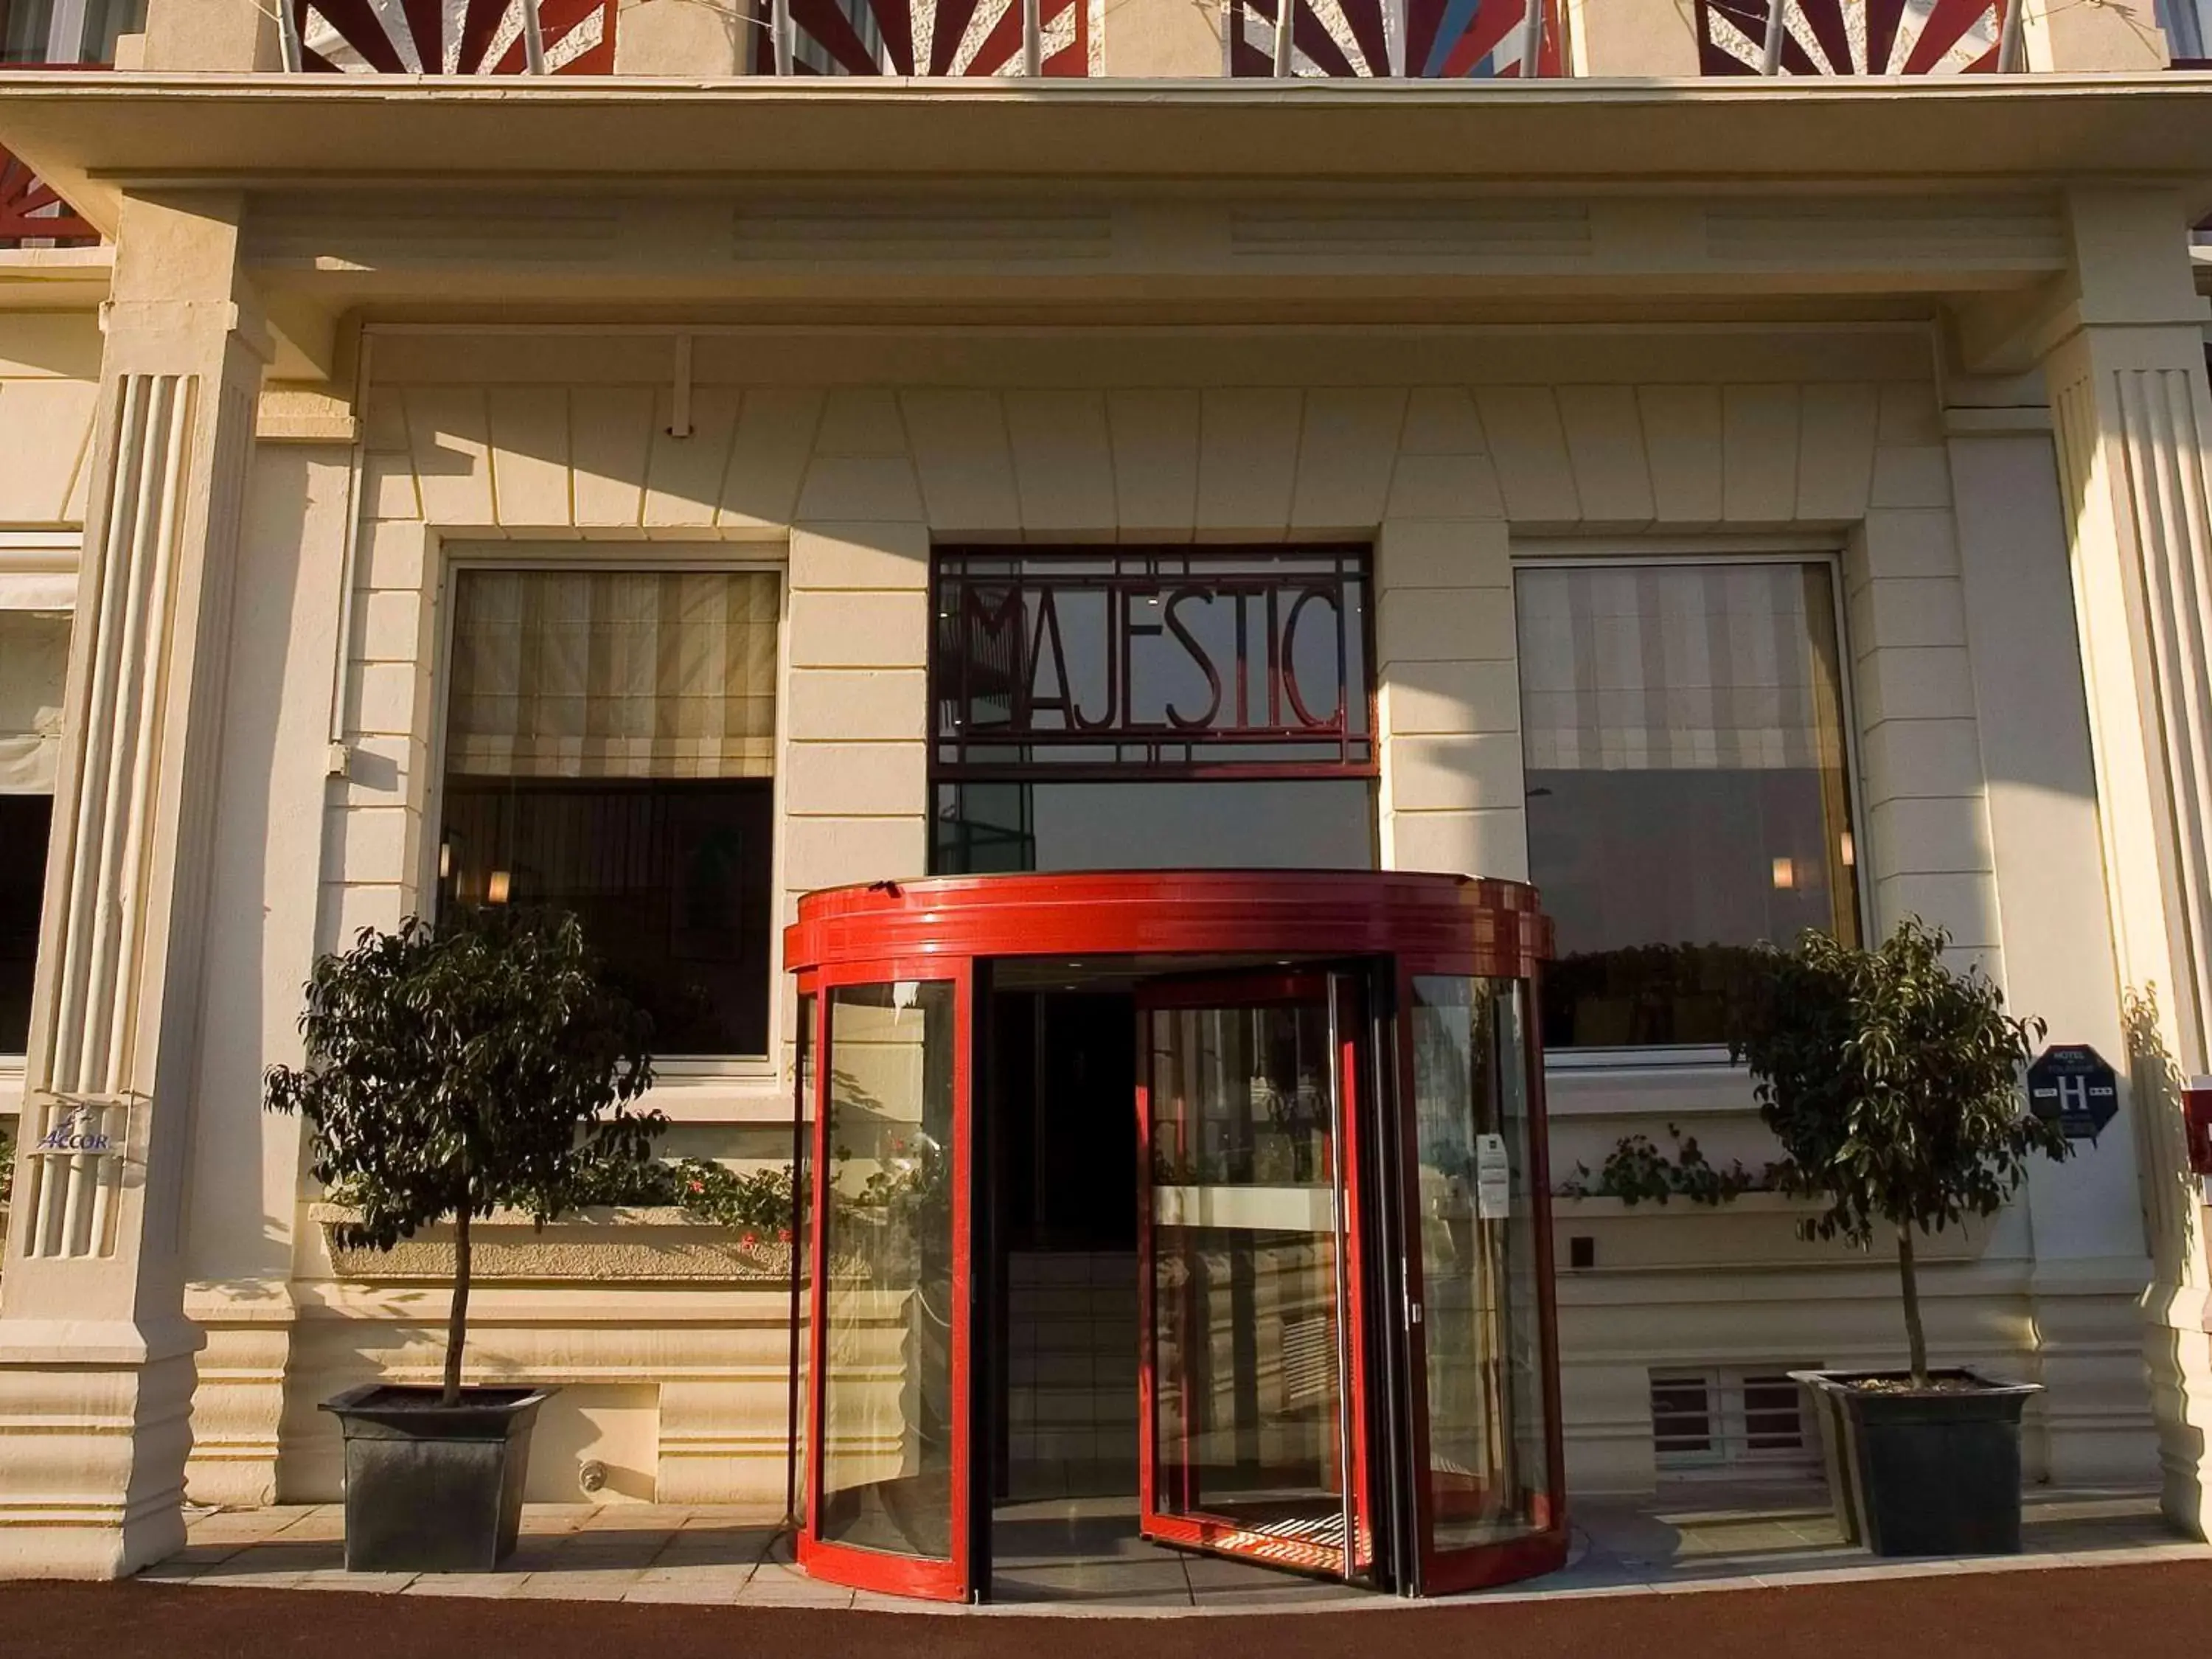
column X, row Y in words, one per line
column 96, row 1365
column 2133, row 416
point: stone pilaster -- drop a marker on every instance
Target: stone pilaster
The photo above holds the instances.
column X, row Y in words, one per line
column 2133, row 412
column 201, row 36
column 2090, row 1264
column 96, row 1354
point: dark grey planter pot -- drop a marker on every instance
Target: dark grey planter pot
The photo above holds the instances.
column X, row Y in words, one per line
column 432, row 1488
column 1923, row 1473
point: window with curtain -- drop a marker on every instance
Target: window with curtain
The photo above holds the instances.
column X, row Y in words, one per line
column 44, row 31
column 1688, row 785
column 610, row 751
column 33, row 663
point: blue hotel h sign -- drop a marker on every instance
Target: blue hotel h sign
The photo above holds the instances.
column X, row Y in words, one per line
column 2073, row 1085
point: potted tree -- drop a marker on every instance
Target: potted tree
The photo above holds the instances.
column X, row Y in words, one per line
column 1894, row 1085
column 452, row 1070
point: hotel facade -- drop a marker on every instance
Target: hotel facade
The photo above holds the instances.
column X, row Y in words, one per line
column 1704, row 474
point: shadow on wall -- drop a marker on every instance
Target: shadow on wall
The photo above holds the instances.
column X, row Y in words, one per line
column 2173, row 1214
column 259, row 790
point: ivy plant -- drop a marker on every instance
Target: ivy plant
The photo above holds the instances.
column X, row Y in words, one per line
column 1894, row 1085
column 756, row 1202
column 1636, row 1170
column 456, row 1068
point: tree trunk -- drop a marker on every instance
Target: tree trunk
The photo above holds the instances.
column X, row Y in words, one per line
column 456, row 1323
column 1916, row 1338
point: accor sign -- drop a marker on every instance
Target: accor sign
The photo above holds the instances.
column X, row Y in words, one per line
column 76, row 1133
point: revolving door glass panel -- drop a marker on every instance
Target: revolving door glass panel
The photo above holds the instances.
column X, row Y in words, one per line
column 1485, row 1470
column 890, row 1468
column 1342, row 1342
column 1248, row 1388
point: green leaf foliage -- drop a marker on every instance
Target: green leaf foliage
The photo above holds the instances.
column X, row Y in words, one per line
column 1892, row 1082
column 1894, row 1086
column 472, row 1064
column 1637, row 1170
column 758, row 1201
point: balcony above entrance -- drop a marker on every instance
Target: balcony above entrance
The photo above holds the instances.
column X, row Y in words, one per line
column 1327, row 39
column 95, row 136
column 1471, row 44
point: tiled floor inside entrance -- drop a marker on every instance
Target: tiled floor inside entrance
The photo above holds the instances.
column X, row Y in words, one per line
column 1085, row 1551
column 1081, row 1554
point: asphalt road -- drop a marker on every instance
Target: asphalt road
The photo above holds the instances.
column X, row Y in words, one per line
column 2132, row 1612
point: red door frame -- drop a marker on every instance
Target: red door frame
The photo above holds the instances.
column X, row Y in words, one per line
column 938, row 928
column 937, row 1579
column 1260, row 990
column 1478, row 1566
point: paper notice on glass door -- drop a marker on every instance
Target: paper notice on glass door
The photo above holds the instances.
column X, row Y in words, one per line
column 1493, row 1179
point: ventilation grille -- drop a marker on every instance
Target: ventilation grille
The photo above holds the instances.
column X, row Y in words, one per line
column 1729, row 1419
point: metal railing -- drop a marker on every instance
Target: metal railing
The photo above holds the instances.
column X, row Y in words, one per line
column 1859, row 37
column 1421, row 39
column 32, row 213
column 1450, row 39
column 71, row 35
column 448, row 37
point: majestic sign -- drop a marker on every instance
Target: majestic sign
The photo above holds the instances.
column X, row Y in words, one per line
column 2071, row 1085
column 1172, row 662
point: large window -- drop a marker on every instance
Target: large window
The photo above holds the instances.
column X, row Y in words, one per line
column 1688, row 792
column 50, row 32
column 33, row 662
column 610, row 751
column 1100, row 708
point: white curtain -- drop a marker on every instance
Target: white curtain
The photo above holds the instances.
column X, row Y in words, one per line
column 1664, row 667
column 613, row 674
column 33, row 664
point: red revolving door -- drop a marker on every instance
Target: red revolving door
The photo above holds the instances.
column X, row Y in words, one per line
column 1346, row 1362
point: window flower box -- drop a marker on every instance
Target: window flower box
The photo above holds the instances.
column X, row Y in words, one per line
column 655, row 1245
column 1757, row 1228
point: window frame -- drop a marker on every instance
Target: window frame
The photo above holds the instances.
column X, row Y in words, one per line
column 38, row 553
column 459, row 559
column 2185, row 32
column 69, row 37
column 1728, row 1453
column 1539, row 554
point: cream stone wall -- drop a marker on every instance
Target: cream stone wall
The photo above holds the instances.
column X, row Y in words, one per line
column 283, row 791
column 839, row 458
column 683, row 37
column 96, row 1357
column 2086, row 1217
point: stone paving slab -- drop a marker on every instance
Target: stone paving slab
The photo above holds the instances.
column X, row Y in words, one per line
column 1695, row 1542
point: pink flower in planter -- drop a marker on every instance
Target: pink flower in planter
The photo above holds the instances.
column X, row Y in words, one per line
column 783, row 1235
column 698, row 1186
column 749, row 1239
